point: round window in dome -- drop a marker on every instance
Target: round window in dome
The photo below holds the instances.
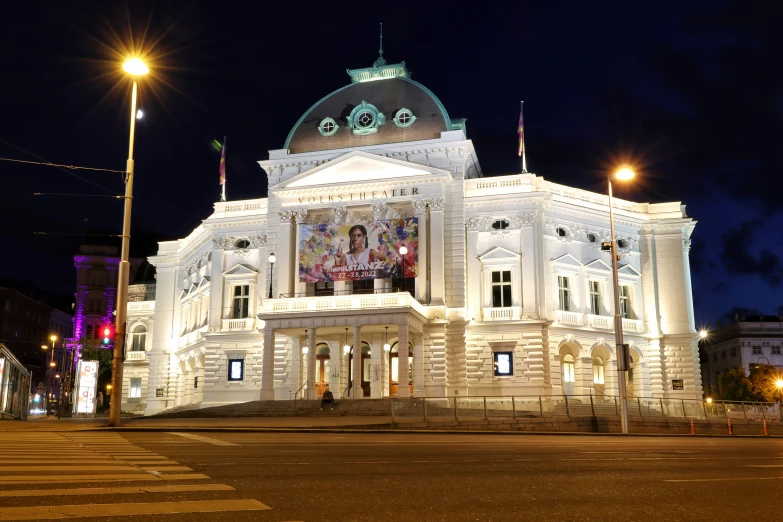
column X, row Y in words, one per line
column 364, row 119
column 404, row 118
column 328, row 127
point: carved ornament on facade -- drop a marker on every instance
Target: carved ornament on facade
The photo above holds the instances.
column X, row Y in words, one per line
column 300, row 215
column 419, row 206
column 285, row 216
column 480, row 224
column 339, row 214
column 257, row 241
column 221, row 243
column 379, row 210
column 686, row 245
column 437, row 204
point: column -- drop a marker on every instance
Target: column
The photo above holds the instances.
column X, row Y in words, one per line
column 356, row 374
column 420, row 211
column 437, row 294
column 376, row 361
column 268, row 365
column 216, row 284
column 418, row 365
column 527, row 248
column 295, row 378
column 300, row 216
column 312, row 391
column 403, row 390
column 282, row 278
column 475, row 299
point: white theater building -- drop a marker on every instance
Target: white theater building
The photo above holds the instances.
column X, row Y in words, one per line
column 504, row 291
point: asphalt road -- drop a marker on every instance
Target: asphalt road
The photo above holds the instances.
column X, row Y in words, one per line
column 387, row 476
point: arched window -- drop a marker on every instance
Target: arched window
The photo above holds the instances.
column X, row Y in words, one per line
column 394, row 363
column 598, row 370
column 139, row 338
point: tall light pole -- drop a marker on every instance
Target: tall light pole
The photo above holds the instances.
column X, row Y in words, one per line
column 135, row 67
column 271, row 260
column 623, row 174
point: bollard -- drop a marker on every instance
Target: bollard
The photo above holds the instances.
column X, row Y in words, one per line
column 693, row 430
column 728, row 422
column 765, row 427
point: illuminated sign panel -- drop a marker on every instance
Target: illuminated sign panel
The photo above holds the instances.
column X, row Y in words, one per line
column 503, row 362
column 356, row 251
column 236, row 369
column 86, row 383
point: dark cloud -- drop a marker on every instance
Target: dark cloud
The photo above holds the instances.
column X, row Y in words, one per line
column 737, row 258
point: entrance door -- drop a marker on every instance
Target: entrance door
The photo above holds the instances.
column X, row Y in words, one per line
column 394, row 370
column 569, row 376
column 365, row 377
column 322, row 368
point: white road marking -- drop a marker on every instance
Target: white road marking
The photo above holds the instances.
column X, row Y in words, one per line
column 723, row 479
column 201, row 438
column 114, row 510
column 175, row 488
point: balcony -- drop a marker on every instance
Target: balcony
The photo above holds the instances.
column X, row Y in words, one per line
column 602, row 322
column 341, row 303
column 510, row 313
column 632, row 325
column 570, row 318
column 237, row 325
column 141, row 306
column 137, row 356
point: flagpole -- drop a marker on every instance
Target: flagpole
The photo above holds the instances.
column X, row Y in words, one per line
column 223, row 171
column 522, row 137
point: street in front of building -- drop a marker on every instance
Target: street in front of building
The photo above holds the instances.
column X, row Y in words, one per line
column 181, row 475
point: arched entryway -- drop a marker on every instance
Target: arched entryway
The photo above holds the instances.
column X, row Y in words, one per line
column 322, row 367
column 600, row 356
column 569, row 353
column 365, row 377
column 394, row 367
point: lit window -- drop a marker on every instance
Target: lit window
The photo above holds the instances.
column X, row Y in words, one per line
column 564, row 293
column 568, row 368
column 598, row 370
column 501, row 289
column 503, row 363
column 241, row 302
column 135, row 388
column 139, row 338
column 625, row 301
column 236, row 369
column 595, row 298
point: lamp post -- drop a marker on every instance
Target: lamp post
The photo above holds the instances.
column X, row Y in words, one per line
column 271, row 260
column 623, row 174
column 135, row 67
column 403, row 251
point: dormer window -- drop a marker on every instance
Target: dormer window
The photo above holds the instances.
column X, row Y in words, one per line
column 328, row 127
column 365, row 119
column 500, row 224
column 404, row 118
column 242, row 244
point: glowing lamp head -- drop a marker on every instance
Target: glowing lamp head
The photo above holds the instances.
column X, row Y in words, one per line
column 709, row 400
column 135, row 66
column 403, row 250
column 272, row 259
column 305, row 349
column 52, row 364
column 624, row 174
column 44, row 347
column 387, row 347
column 108, row 386
column 703, row 334
column 779, row 384
column 139, row 114
column 53, row 338
column 346, row 349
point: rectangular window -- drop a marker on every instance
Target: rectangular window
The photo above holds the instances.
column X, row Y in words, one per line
column 598, row 372
column 595, row 298
column 241, row 307
column 504, row 363
column 501, row 289
column 757, row 350
column 733, row 351
column 625, row 301
column 138, row 341
column 135, row 388
column 564, row 293
column 236, row 369
column 776, row 350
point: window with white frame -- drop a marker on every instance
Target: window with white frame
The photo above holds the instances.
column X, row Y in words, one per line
column 135, row 388
column 756, row 350
column 241, row 302
column 625, row 301
column 595, row 297
column 598, row 370
column 568, row 368
column 776, row 350
column 564, row 293
column 501, row 289
column 139, row 338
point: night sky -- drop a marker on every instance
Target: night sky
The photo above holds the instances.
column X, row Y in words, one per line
column 691, row 93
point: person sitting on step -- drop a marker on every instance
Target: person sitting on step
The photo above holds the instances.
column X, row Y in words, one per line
column 327, row 400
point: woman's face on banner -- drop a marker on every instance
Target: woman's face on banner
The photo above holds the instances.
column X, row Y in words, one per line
column 357, row 239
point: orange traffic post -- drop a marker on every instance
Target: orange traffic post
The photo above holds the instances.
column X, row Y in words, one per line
column 728, row 422
column 693, row 430
column 765, row 427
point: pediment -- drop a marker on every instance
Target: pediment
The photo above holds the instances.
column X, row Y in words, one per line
column 359, row 167
column 567, row 259
column 240, row 270
column 628, row 270
column 498, row 254
column 599, row 264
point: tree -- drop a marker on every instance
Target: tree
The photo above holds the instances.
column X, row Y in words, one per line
column 734, row 385
column 759, row 385
column 92, row 350
column 763, row 378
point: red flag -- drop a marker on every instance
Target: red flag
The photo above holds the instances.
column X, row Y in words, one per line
column 223, row 164
column 521, row 132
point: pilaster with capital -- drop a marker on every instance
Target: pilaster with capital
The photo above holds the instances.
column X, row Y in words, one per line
column 379, row 210
column 282, row 279
column 437, row 260
column 216, row 275
column 422, row 277
column 339, row 214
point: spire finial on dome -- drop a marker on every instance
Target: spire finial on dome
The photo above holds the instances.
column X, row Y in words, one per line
column 380, row 61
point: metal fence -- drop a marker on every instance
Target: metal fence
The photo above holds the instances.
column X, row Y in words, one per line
column 485, row 408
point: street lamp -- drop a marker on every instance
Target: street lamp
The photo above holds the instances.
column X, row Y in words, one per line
column 703, row 334
column 135, row 67
column 271, row 260
column 623, row 174
column 403, row 251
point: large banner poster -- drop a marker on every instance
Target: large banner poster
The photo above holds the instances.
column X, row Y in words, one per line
column 87, row 380
column 356, row 251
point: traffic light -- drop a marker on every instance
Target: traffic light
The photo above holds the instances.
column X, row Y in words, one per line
column 107, row 334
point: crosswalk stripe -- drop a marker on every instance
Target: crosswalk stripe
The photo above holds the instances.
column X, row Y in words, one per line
column 166, row 468
column 113, row 510
column 173, row 488
column 201, row 438
column 72, row 468
column 30, row 479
